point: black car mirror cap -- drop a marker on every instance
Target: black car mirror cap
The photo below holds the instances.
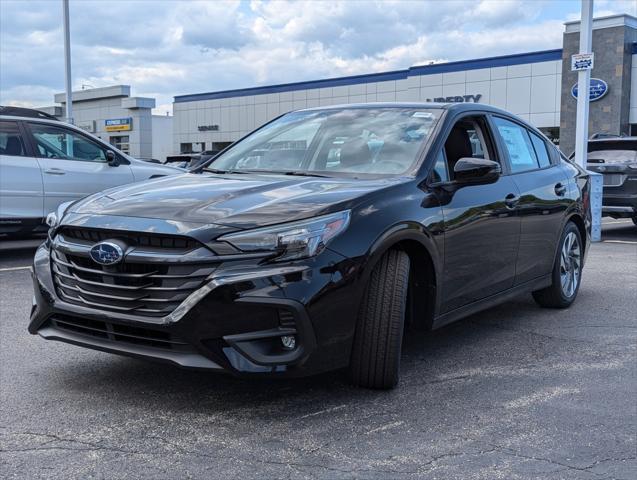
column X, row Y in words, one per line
column 112, row 159
column 476, row 170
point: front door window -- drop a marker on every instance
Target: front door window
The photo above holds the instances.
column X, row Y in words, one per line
column 57, row 142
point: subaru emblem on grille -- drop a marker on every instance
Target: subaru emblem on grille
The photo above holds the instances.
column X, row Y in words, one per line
column 106, row 253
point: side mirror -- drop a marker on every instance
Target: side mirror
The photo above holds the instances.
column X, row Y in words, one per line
column 476, row 170
column 111, row 158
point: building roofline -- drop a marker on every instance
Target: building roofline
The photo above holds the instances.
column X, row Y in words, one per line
column 89, row 94
column 609, row 21
column 447, row 67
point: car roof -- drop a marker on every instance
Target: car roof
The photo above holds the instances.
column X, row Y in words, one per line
column 454, row 107
column 53, row 120
column 10, row 111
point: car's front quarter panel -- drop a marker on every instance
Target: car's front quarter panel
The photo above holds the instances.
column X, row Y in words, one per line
column 243, row 296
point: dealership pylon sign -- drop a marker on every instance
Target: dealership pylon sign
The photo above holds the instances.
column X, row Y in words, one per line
column 582, row 61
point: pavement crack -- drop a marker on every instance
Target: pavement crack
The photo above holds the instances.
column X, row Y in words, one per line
column 543, row 335
column 511, row 452
column 90, row 446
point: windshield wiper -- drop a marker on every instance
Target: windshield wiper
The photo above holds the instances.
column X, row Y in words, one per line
column 221, row 172
column 303, row 174
column 299, row 173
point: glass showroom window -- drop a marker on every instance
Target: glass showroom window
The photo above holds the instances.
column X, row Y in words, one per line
column 121, row 142
column 196, row 147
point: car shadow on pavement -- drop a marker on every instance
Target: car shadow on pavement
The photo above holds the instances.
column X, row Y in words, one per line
column 427, row 357
column 624, row 230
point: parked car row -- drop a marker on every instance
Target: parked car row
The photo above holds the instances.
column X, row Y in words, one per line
column 45, row 162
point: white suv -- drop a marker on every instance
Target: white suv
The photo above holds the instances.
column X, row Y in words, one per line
column 45, row 162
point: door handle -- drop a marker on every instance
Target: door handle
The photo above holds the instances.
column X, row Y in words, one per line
column 560, row 190
column 55, row 171
column 511, row 200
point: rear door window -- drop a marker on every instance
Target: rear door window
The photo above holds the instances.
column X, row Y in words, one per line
column 11, row 141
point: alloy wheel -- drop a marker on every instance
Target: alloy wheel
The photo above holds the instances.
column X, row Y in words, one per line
column 570, row 264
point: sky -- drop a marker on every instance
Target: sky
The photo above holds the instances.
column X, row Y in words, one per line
column 166, row 48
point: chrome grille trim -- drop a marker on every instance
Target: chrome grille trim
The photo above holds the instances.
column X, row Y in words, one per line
column 147, row 286
column 134, row 287
column 153, row 274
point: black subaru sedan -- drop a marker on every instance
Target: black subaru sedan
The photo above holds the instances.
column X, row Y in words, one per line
column 314, row 243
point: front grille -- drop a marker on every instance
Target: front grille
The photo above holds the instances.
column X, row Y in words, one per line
column 140, row 285
column 144, row 336
column 614, row 179
column 133, row 239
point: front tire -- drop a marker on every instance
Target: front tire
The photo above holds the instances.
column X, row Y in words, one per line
column 567, row 271
column 375, row 360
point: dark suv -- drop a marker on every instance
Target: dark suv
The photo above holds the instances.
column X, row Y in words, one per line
column 616, row 159
column 316, row 240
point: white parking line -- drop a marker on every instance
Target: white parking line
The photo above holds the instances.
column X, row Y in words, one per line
column 13, row 269
column 619, row 241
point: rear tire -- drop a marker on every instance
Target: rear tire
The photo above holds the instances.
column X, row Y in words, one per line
column 375, row 360
column 567, row 271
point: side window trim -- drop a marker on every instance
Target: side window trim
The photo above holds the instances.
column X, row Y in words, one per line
column 537, row 155
column 500, row 149
column 482, row 137
column 28, row 139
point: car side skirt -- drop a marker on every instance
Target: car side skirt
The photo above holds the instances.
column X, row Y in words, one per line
column 491, row 301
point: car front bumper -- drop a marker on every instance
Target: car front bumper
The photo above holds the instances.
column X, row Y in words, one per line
column 233, row 323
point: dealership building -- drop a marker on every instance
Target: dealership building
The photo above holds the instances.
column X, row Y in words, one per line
column 537, row 86
column 123, row 121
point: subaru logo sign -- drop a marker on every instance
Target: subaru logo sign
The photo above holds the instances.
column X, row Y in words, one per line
column 598, row 88
column 106, row 253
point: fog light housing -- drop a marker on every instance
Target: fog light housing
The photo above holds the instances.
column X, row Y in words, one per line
column 288, row 342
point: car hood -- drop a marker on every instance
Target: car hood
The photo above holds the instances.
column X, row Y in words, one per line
column 240, row 201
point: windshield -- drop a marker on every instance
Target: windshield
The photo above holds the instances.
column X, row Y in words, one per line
column 375, row 141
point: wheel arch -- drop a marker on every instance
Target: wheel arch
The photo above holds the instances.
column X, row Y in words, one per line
column 577, row 219
column 425, row 260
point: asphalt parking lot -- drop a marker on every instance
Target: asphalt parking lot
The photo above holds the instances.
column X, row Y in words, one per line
column 513, row 392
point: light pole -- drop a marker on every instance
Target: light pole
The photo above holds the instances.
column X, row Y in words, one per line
column 67, row 61
column 583, row 84
column 583, row 63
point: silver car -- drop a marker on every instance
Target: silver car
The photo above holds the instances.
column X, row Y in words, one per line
column 45, row 162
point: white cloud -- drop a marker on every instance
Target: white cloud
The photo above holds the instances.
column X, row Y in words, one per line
column 169, row 48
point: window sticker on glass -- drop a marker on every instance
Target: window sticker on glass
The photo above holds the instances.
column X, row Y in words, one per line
column 423, row 115
column 517, row 143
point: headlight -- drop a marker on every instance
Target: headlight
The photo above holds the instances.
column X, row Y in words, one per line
column 290, row 241
column 633, row 166
column 53, row 219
